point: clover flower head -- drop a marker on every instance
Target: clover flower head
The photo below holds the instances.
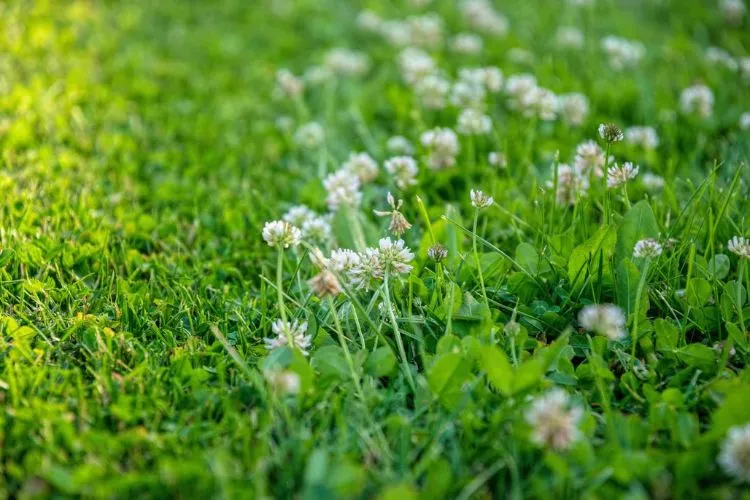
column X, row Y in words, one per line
column 604, row 319
column 285, row 331
column 647, row 249
column 554, row 420
column 280, row 233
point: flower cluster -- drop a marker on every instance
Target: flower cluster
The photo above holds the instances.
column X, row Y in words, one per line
column 604, row 319
column 554, row 420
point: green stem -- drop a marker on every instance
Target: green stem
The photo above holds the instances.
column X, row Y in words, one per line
column 605, row 192
column 356, row 228
column 397, row 334
column 738, row 291
column 638, row 293
column 345, row 347
column 476, row 257
column 280, row 294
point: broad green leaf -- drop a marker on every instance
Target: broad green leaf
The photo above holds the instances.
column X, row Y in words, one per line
column 493, row 361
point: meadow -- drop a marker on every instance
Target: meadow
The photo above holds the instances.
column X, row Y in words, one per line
column 409, row 249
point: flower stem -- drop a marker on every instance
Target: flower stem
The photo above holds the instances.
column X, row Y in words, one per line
column 476, row 257
column 280, row 294
column 397, row 334
column 638, row 293
column 605, row 192
column 356, row 229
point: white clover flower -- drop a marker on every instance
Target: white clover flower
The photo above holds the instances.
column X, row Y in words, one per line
column 720, row 57
column 652, row 182
column 309, row 136
column 317, row 75
column 480, row 200
column 733, row 10
column 473, row 122
column 569, row 37
column 403, row 169
column 426, row 30
column 497, row 159
column 734, row 457
column 369, row 21
column 482, row 16
column 283, row 381
column 519, row 55
column 467, row 94
column 574, row 108
column 745, row 121
column 396, row 32
column 490, row 78
column 542, row 102
column 604, row 319
column 739, row 246
column 697, row 99
column 288, row 84
column 298, row 215
column 399, row 145
column 346, row 62
column 610, row 132
column 317, row 230
column 622, row 53
column 443, row 147
column 647, row 249
column 432, row 91
column 363, row 166
column 645, row 137
column 415, row 65
column 280, row 233
column 467, row 44
column 619, row 175
column 554, row 420
column 590, row 159
column 342, row 260
column 285, row 330
column 571, row 185
column 284, row 123
column 365, row 269
column 394, row 256
column 343, row 189
column 437, row 252
column 517, row 87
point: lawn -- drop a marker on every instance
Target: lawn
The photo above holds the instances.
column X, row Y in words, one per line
column 409, row 249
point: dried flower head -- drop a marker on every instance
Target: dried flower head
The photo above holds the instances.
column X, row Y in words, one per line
column 325, row 283
column 734, row 457
column 280, row 233
column 480, row 200
column 604, row 319
column 437, row 252
column 647, row 249
column 739, row 246
column 554, row 420
column 399, row 225
column 610, row 132
column 618, row 175
column 286, row 331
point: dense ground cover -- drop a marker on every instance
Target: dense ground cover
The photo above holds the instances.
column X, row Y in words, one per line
column 541, row 307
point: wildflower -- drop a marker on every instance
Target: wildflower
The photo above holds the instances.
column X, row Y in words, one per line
column 734, row 457
column 309, row 136
column 343, row 189
column 574, row 108
column 619, row 175
column 394, row 256
column 571, row 185
column 284, row 123
column 489, row 78
column 482, row 16
column 652, row 182
column 399, row 225
column 363, row 166
column 733, row 10
column 739, row 246
column 443, row 147
column 286, row 331
column 622, row 53
column 745, row 121
column 316, row 230
column 541, row 101
column 317, row 75
column 283, row 381
column 554, row 420
column 432, row 91
column 399, row 145
column 697, row 99
column 605, row 319
column 517, row 87
column 426, row 30
column 717, row 56
column 467, row 94
column 288, row 84
column 346, row 62
column 568, row 37
column 473, row 122
column 610, row 132
column 480, row 200
column 395, row 32
column 497, row 159
column 437, row 252
column 366, row 268
column 519, row 55
column 647, row 249
column 589, row 159
column 280, row 233
column 298, row 215
column 403, row 169
column 415, row 64
column 369, row 21
column 512, row 328
column 467, row 44
column 645, row 137
column 342, row 260
column 325, row 283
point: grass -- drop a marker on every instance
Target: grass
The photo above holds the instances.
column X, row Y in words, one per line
column 143, row 153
